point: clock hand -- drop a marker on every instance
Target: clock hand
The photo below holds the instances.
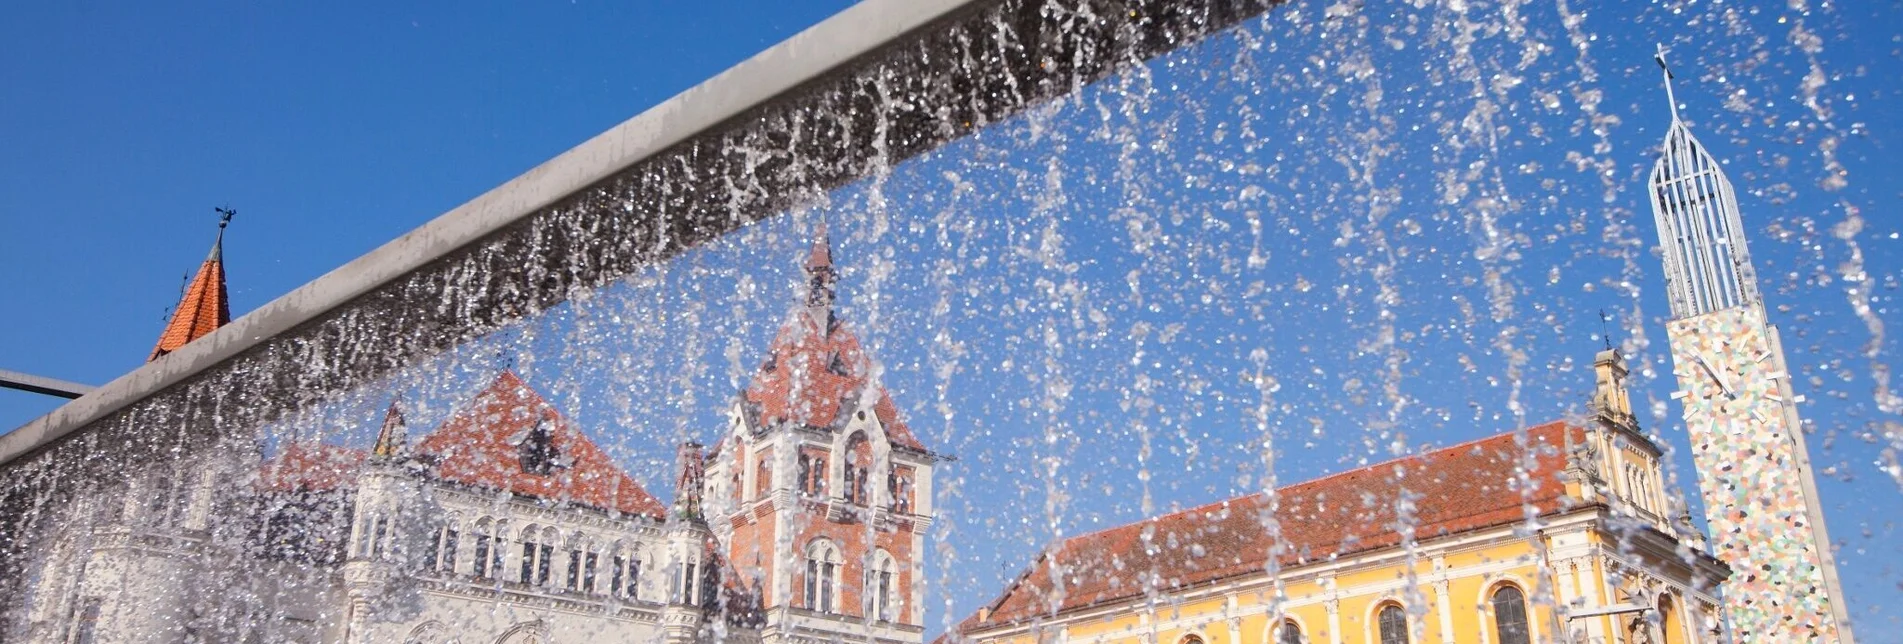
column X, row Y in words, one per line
column 1715, row 377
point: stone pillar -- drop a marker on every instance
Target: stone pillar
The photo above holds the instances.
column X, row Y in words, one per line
column 1444, row 603
column 1334, row 621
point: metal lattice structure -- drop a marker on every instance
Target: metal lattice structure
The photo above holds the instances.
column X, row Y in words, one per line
column 1707, row 267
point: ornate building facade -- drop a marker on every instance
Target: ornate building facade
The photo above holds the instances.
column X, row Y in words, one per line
column 508, row 524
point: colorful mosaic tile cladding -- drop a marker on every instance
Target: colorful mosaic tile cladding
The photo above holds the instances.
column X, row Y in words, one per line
column 1744, row 436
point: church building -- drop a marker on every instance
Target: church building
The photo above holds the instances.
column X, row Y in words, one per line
column 1611, row 561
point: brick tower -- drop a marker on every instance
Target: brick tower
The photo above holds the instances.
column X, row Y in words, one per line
column 820, row 492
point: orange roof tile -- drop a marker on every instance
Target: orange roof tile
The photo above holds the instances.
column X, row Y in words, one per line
column 1460, row 488
column 311, row 466
column 811, row 377
column 479, row 446
column 204, row 307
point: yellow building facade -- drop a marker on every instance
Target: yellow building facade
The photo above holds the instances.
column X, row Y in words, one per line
column 1560, row 533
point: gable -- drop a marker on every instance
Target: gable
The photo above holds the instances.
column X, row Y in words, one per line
column 509, row 438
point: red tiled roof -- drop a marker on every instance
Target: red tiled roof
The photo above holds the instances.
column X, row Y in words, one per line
column 477, row 446
column 1457, row 489
column 204, row 307
column 311, row 466
column 811, row 377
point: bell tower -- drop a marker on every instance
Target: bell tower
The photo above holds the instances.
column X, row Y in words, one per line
column 818, row 489
column 1740, row 412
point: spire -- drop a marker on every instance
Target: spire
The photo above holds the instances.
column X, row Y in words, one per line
column 1707, row 267
column 687, row 486
column 1611, row 402
column 394, row 439
column 820, row 278
column 205, row 306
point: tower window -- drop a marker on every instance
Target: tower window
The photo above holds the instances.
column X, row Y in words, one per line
column 1290, row 633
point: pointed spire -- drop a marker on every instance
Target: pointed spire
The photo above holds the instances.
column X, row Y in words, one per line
column 393, row 440
column 1667, row 69
column 687, row 486
column 1701, row 236
column 205, row 306
column 820, row 278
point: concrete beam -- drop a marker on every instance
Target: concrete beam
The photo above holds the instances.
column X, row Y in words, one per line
column 41, row 385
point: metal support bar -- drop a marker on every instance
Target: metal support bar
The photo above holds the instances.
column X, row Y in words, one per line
column 42, row 385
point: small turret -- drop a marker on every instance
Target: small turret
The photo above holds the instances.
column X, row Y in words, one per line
column 393, row 440
column 204, row 307
column 1611, row 403
column 820, row 279
column 687, row 485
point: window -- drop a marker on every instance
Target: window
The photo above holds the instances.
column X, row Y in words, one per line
column 485, row 567
column 898, row 484
column 1192, row 639
column 379, row 537
column 537, row 556
column 858, row 461
column 881, row 601
column 1289, row 633
column 588, row 564
column 625, row 579
column 1509, row 616
column 442, row 555
column 813, row 474
column 687, row 586
column 822, row 570
column 574, row 570
column 1393, row 625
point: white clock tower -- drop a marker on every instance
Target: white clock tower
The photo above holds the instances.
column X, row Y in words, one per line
column 1740, row 413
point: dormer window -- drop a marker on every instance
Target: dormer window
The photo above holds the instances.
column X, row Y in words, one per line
column 536, row 450
column 838, row 365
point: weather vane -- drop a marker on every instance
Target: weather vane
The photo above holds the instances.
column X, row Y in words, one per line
column 1605, row 328
column 224, row 216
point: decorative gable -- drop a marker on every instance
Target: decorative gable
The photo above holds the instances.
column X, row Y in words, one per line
column 510, row 438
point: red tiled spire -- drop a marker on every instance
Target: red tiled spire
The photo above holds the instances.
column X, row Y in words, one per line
column 820, row 278
column 205, row 306
column 393, row 439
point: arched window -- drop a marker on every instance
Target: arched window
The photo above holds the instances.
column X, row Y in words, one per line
column 1289, row 633
column 625, row 579
column 881, row 587
column 1671, row 627
column 822, row 576
column 858, row 467
column 582, row 560
column 488, row 548
column 1393, row 624
column 538, row 553
column 442, row 554
column 1509, row 616
column 1191, row 639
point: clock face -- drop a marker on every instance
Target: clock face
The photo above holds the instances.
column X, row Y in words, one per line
column 1748, row 469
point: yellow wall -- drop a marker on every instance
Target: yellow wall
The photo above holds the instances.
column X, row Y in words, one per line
column 1468, row 587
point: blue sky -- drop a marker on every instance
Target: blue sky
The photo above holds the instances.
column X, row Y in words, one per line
column 334, row 130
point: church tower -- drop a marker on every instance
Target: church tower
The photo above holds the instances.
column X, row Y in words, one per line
column 1740, row 413
column 820, row 492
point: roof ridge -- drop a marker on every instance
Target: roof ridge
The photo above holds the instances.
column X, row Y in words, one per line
column 1303, row 484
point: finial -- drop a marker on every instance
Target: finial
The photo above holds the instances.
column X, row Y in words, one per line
column 218, row 245
column 1667, row 69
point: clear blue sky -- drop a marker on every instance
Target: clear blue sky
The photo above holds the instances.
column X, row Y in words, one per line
column 335, row 130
